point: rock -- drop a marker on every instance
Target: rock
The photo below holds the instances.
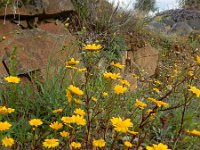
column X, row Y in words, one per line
column 36, row 7
column 37, row 48
column 181, row 28
column 168, row 21
column 144, row 59
column 180, row 15
column 56, row 6
column 25, row 63
column 195, row 24
column 147, row 59
column 156, row 26
column 179, row 21
column 133, row 82
column 7, row 27
column 3, row 72
column 53, row 28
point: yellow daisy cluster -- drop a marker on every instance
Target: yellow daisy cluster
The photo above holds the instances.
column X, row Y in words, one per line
column 12, row 79
column 4, row 110
column 195, row 90
column 92, row 47
column 140, row 104
column 99, row 143
column 121, row 125
column 117, row 65
column 158, row 103
column 77, row 119
column 160, row 146
column 113, row 76
column 70, row 64
column 73, row 90
column 193, row 132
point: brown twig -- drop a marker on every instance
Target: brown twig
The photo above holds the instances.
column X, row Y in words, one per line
column 182, row 118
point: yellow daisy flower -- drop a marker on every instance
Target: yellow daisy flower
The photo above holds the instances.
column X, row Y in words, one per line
column 193, row 132
column 64, row 134
column 158, row 103
column 128, row 144
column 4, row 110
column 77, row 101
column 140, row 104
column 12, row 79
column 118, row 65
column 125, row 82
column 56, row 125
column 94, row 99
column 5, row 126
column 59, row 110
column 72, row 61
column 92, row 47
column 99, row 143
column 35, row 122
column 121, row 125
column 68, row 120
column 104, row 94
column 79, row 111
column 79, row 120
column 195, row 90
column 75, row 90
column 160, row 146
column 120, row 89
column 50, row 143
column 75, row 145
column 82, row 69
column 156, row 90
column 133, row 132
column 70, row 67
column 113, row 76
column 198, row 59
column 7, row 142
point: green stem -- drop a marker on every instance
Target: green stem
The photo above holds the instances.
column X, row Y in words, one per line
column 114, row 140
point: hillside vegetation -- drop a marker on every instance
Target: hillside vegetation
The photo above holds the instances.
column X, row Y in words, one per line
column 96, row 94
